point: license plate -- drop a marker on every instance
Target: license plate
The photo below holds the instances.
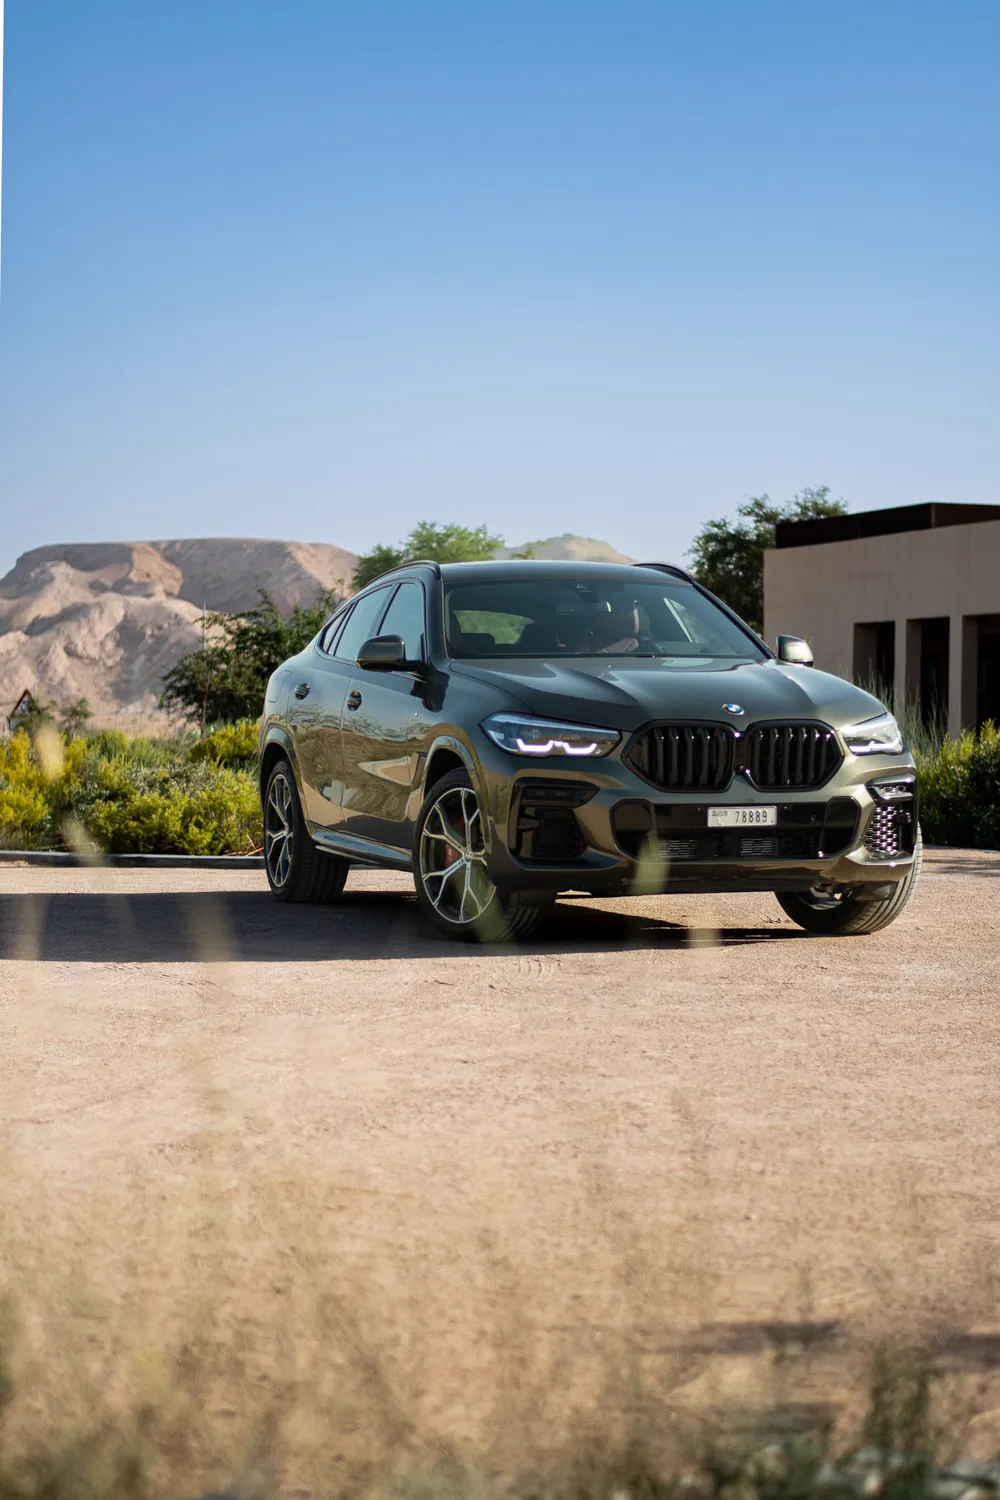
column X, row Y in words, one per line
column 742, row 817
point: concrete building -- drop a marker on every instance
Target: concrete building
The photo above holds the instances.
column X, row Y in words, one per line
column 908, row 598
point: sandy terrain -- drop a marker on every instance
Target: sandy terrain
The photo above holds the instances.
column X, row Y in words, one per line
column 665, row 1113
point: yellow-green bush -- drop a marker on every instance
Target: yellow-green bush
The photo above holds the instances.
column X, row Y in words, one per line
column 140, row 796
column 230, row 745
column 25, row 803
column 134, row 810
column 960, row 790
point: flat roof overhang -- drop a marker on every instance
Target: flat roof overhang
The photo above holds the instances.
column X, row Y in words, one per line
column 887, row 522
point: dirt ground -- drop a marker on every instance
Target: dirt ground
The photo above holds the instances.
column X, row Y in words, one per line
column 674, row 1111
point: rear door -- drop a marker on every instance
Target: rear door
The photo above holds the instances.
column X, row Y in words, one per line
column 318, row 692
column 386, row 728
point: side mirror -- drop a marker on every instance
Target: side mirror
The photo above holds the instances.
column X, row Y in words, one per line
column 386, row 653
column 794, row 650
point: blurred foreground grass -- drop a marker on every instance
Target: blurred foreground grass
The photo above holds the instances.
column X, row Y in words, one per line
column 233, row 1343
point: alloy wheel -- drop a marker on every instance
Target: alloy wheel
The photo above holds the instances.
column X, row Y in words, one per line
column 453, row 858
column 279, row 830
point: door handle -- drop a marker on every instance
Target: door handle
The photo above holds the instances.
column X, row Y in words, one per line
column 302, row 691
column 354, row 701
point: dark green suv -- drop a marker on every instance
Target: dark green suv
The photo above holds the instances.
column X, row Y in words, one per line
column 508, row 731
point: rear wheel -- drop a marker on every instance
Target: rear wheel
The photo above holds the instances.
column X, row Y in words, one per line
column 296, row 869
column 449, row 868
column 843, row 914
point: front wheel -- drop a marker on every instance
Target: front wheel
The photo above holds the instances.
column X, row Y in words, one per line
column 843, row 914
column 449, row 868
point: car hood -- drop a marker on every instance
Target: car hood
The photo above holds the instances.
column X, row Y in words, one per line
column 625, row 692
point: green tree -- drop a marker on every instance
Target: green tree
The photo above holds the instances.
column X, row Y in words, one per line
column 373, row 564
column 430, row 539
column 224, row 680
column 74, row 718
column 728, row 555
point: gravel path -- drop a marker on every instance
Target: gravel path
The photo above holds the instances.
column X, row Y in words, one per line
column 663, row 1113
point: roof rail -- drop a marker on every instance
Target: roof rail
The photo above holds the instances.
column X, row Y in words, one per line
column 416, row 562
column 668, row 568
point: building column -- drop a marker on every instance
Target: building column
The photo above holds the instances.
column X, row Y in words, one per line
column 956, row 657
column 913, row 663
column 964, row 707
column 907, row 684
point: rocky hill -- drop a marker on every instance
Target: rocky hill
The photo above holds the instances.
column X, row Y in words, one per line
column 105, row 620
column 573, row 548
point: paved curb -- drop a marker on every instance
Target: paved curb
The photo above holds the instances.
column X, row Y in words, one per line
column 67, row 859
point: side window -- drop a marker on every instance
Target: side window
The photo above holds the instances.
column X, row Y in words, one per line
column 332, row 630
column 406, row 618
column 360, row 624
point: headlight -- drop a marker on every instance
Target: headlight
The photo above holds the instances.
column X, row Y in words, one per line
column 879, row 736
column 522, row 735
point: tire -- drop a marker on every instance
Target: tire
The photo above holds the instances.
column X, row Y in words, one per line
column 454, row 890
column 844, row 915
column 296, row 869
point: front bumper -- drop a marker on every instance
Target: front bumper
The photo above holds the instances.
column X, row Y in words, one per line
column 557, row 825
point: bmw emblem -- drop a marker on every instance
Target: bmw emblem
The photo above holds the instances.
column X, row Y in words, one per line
column 733, row 708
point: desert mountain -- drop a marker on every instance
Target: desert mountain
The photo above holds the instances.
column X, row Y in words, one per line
column 105, row 620
column 572, row 548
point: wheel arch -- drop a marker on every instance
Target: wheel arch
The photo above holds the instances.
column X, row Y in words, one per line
column 447, row 754
column 277, row 746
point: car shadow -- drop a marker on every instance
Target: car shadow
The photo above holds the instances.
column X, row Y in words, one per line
column 972, row 866
column 251, row 927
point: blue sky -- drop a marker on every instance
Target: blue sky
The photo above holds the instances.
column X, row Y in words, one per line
column 322, row 269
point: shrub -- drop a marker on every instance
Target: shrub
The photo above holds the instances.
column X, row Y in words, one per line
column 135, row 812
column 25, row 805
column 960, row 790
column 230, row 745
column 138, row 796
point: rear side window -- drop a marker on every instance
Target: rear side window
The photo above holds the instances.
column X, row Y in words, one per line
column 331, row 631
column 361, row 624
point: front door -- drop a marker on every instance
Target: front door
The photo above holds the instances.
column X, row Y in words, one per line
column 386, row 727
column 318, row 691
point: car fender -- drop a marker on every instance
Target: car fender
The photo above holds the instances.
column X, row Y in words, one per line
column 276, row 734
column 457, row 745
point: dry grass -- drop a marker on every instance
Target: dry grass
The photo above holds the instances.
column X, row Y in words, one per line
column 233, row 1333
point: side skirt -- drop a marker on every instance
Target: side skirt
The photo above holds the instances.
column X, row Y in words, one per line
column 361, row 851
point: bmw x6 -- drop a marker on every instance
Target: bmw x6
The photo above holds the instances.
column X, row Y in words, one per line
column 512, row 731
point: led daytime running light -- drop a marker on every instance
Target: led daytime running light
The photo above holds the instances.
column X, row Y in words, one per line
column 523, row 734
column 563, row 747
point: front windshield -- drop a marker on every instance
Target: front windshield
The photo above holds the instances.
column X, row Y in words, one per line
column 566, row 615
